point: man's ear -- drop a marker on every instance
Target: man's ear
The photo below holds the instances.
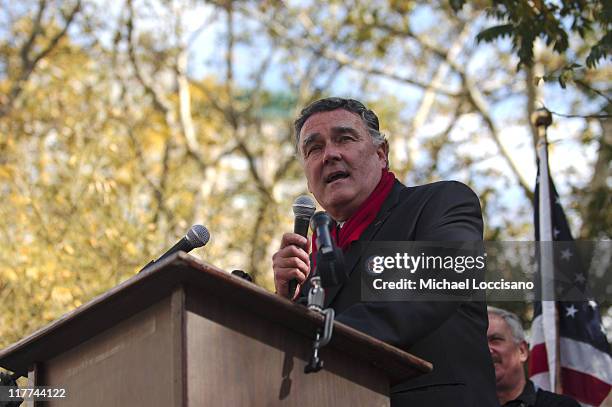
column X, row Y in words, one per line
column 524, row 351
column 383, row 152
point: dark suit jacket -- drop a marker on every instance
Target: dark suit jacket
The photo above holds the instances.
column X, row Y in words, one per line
column 451, row 335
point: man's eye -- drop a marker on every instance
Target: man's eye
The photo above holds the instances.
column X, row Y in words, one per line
column 312, row 149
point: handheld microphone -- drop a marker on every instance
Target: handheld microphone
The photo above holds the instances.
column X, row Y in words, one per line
column 197, row 236
column 330, row 260
column 303, row 208
column 320, row 224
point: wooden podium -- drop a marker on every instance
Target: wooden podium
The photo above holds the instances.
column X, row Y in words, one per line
column 185, row 333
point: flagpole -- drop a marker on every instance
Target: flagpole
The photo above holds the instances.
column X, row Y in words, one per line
column 542, row 119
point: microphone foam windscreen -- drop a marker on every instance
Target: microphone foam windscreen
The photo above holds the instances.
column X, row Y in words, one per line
column 198, row 235
column 304, row 207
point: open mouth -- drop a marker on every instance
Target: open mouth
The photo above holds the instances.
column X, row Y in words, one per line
column 335, row 176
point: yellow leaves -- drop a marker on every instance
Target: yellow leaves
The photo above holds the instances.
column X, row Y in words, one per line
column 102, row 189
column 111, row 233
column 23, row 252
column 48, row 315
column 61, row 200
column 68, row 249
column 9, row 275
column 124, row 175
column 32, row 272
column 43, row 159
column 153, row 139
column 41, row 273
column 7, row 172
column 23, row 218
column 45, row 178
column 5, row 86
column 19, row 200
column 43, row 64
column 151, row 235
column 131, row 249
column 61, row 295
column 79, row 148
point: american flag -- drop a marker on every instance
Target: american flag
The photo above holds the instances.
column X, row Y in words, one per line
column 586, row 364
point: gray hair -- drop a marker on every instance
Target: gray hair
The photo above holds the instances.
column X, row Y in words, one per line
column 513, row 321
column 328, row 104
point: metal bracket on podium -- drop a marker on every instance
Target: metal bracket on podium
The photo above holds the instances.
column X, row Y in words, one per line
column 322, row 338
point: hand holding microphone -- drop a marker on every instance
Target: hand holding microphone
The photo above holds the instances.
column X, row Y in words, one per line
column 291, row 263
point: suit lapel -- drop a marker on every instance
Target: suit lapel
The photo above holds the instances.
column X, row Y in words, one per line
column 353, row 254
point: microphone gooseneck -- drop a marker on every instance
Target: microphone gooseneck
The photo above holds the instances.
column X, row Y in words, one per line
column 197, row 236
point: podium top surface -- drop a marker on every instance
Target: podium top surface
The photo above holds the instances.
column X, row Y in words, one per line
column 157, row 282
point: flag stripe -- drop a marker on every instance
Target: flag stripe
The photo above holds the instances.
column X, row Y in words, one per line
column 583, row 387
column 537, row 336
column 582, row 357
column 576, row 355
column 538, row 361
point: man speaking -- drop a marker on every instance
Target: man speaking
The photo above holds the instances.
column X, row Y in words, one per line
column 345, row 160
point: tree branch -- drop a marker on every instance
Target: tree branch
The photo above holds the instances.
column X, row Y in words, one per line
column 595, row 222
column 186, row 119
column 477, row 101
column 36, row 30
column 340, row 57
column 57, row 37
column 585, row 85
column 229, row 64
column 158, row 100
column 28, row 63
column 261, row 185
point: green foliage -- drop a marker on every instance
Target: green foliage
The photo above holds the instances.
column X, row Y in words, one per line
column 492, row 33
column 563, row 75
column 601, row 49
column 528, row 20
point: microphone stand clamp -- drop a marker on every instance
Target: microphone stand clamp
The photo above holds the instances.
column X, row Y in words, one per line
column 328, row 264
column 321, row 339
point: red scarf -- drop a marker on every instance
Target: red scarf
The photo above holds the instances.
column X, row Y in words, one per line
column 366, row 213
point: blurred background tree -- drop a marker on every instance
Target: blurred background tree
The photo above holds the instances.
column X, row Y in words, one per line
column 123, row 123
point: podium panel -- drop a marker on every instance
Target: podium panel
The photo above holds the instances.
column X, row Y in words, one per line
column 129, row 364
column 235, row 357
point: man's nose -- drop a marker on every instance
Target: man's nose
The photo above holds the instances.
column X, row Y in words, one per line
column 332, row 153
